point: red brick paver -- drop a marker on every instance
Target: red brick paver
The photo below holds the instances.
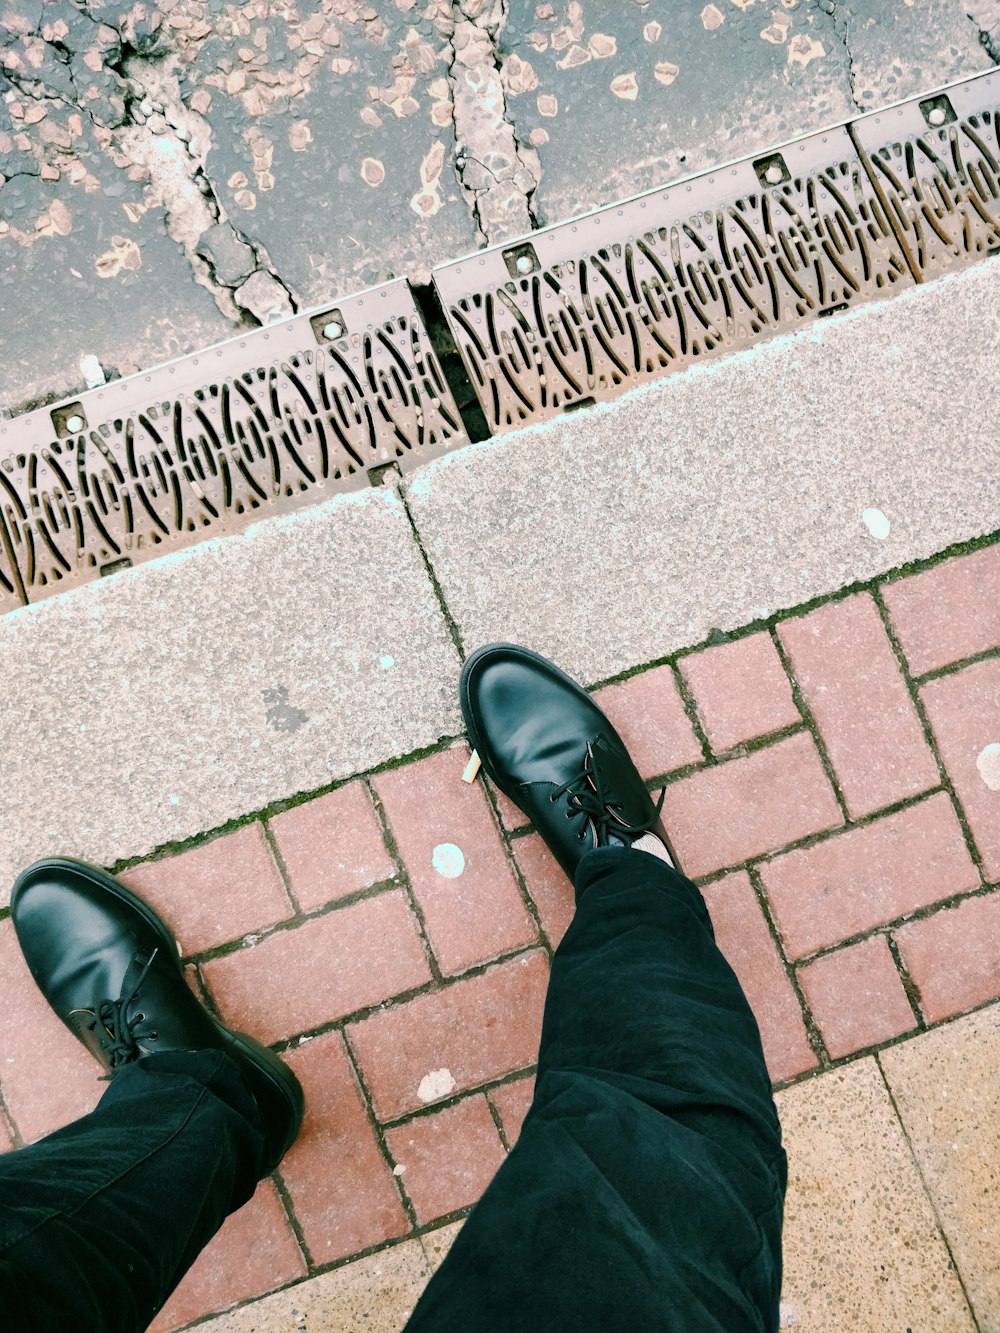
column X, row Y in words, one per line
column 341, row 1187
column 648, row 713
column 447, row 1158
column 511, row 816
column 215, row 893
column 476, row 1030
column 865, row 877
column 317, row 972
column 548, row 884
column 953, row 956
column 454, row 855
column 512, row 1102
column 964, row 713
column 41, row 1094
column 332, row 846
column 852, row 684
column 741, row 691
column 742, row 934
column 949, row 612
column 745, row 807
column 856, row 996
column 255, row 1252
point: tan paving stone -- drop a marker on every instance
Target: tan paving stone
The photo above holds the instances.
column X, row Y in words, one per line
column 863, row 1253
column 376, row 1294
column 945, row 1086
column 437, row 1243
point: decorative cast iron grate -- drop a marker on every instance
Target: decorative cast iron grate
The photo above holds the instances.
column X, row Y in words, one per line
column 592, row 307
column 256, row 426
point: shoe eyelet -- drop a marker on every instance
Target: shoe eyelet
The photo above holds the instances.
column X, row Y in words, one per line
column 139, row 1018
column 580, row 836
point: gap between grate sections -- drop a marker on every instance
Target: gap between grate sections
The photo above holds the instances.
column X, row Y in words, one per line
column 588, row 309
column 259, row 425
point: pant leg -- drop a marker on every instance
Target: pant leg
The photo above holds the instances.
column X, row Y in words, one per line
column 101, row 1220
column 646, row 1189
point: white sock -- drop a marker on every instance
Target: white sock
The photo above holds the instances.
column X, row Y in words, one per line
column 649, row 842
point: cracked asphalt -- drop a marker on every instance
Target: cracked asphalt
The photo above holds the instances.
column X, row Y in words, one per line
column 174, row 172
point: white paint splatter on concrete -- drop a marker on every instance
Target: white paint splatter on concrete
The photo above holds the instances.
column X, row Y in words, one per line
column 448, row 860
column 876, row 523
column 386, row 662
column 92, row 372
column 988, row 764
column 438, row 1083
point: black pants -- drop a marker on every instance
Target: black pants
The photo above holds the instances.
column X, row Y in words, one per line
column 645, row 1191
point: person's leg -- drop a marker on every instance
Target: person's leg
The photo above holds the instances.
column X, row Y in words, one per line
column 647, row 1186
column 100, row 1220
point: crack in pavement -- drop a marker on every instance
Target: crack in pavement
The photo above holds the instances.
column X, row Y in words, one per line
column 171, row 141
column 120, row 77
column 989, row 38
column 498, row 174
column 840, row 29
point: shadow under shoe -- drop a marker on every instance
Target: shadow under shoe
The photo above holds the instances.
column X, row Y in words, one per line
column 545, row 743
column 111, row 970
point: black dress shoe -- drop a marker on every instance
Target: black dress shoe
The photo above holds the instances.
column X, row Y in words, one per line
column 111, row 970
column 545, row 743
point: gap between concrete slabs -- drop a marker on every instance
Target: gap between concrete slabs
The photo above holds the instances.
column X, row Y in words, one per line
column 184, row 693
column 733, row 490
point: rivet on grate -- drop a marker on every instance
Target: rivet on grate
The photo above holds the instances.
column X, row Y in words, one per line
column 333, row 330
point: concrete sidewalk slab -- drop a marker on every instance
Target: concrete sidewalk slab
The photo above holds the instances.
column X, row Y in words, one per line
column 175, row 697
column 863, row 1249
column 728, row 492
column 376, row 1295
column 945, row 1086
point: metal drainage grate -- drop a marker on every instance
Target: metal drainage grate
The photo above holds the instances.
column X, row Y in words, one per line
column 595, row 306
column 256, row 426
column 936, row 161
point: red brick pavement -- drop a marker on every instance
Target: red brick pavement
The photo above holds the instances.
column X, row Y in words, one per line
column 393, row 937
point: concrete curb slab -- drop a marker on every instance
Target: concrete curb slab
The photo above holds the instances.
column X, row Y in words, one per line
column 625, row 533
column 174, row 697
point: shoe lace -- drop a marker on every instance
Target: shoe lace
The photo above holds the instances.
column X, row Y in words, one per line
column 586, row 796
column 115, row 1022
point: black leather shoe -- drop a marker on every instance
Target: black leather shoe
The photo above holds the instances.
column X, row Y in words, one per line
column 111, row 970
column 545, row 743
